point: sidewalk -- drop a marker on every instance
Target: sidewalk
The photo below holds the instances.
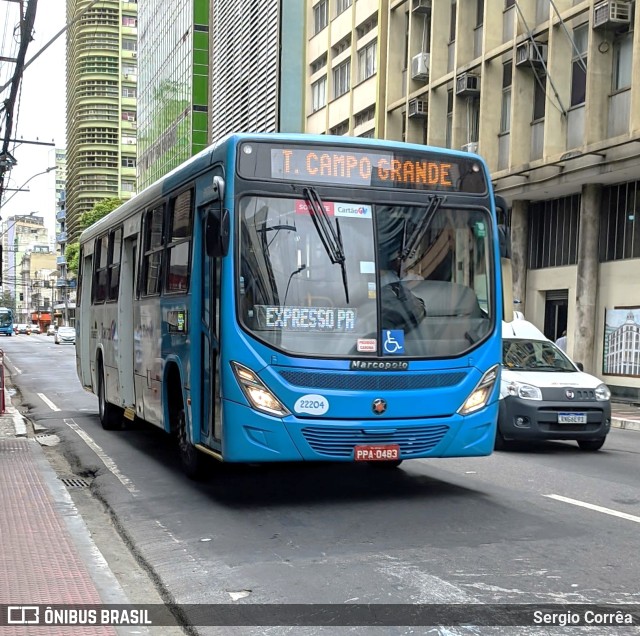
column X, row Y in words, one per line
column 47, row 555
column 625, row 416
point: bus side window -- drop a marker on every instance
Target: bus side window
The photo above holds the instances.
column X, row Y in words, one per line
column 115, row 247
column 101, row 271
column 153, row 249
column 179, row 242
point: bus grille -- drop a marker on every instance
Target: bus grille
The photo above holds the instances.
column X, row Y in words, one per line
column 388, row 381
column 339, row 442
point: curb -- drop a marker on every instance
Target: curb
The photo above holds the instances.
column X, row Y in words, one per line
column 629, row 425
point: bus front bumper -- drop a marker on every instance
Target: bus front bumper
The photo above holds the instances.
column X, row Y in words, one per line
column 250, row 436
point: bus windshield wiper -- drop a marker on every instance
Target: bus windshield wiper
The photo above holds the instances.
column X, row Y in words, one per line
column 410, row 243
column 331, row 239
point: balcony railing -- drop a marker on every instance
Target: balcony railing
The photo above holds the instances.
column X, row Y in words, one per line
column 61, row 237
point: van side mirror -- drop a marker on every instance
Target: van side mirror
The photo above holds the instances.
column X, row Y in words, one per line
column 504, row 233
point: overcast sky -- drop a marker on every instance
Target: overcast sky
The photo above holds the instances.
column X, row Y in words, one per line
column 39, row 115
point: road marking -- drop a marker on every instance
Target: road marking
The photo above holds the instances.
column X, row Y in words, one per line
column 48, row 402
column 606, row 511
column 108, row 462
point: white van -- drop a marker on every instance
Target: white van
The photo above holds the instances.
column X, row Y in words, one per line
column 545, row 396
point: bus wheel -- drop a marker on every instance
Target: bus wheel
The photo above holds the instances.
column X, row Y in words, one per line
column 393, row 463
column 191, row 458
column 110, row 415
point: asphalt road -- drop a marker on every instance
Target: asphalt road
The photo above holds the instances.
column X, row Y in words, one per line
column 538, row 524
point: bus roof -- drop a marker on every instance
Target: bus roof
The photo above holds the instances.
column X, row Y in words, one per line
column 201, row 161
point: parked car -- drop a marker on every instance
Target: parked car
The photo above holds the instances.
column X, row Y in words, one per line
column 51, row 330
column 544, row 395
column 24, row 329
column 65, row 335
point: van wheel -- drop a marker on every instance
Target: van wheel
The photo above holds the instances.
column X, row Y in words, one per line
column 191, row 459
column 110, row 415
column 501, row 443
column 591, row 444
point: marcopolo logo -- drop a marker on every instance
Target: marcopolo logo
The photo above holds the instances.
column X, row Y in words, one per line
column 375, row 365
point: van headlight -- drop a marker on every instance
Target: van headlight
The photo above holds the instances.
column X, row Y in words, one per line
column 524, row 391
column 257, row 394
column 602, row 393
column 479, row 397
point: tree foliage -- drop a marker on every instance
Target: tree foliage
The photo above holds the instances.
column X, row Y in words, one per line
column 87, row 219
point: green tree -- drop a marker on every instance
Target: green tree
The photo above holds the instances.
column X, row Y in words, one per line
column 7, row 300
column 100, row 209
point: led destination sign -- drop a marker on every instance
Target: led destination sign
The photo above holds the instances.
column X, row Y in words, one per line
column 359, row 168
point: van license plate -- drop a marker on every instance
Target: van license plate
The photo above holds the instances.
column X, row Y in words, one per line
column 572, row 418
column 382, row 453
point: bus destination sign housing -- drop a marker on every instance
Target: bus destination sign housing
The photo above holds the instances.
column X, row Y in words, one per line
column 358, row 167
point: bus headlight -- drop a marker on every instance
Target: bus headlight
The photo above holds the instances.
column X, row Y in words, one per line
column 257, row 394
column 602, row 393
column 479, row 397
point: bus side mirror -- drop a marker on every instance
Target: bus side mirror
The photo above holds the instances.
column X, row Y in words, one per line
column 217, row 231
column 504, row 233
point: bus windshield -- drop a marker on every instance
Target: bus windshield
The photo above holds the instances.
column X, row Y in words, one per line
column 401, row 280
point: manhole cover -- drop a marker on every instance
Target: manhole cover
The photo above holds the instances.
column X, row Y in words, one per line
column 74, row 482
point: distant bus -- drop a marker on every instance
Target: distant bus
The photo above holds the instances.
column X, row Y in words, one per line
column 300, row 298
column 6, row 321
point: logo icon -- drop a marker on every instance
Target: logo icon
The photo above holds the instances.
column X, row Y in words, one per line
column 570, row 394
column 379, row 406
column 23, row 615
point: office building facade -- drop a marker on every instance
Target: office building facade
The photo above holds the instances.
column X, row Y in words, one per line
column 548, row 93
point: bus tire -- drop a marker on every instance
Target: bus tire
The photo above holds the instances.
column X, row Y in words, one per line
column 191, row 459
column 110, row 415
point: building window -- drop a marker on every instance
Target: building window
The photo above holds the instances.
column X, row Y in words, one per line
column 452, row 21
column 341, row 78
column 509, row 3
column 367, row 61
column 553, row 232
column 368, row 135
column 539, row 96
column 128, row 162
column 340, row 129
column 367, row 26
column 505, row 117
column 579, row 65
column 128, row 115
column 319, row 94
column 622, row 60
column 342, row 5
column 129, row 45
column 129, row 91
column 619, row 222
column 319, row 64
column 129, row 21
column 364, row 116
column 320, row 16
column 341, row 46
column 479, row 12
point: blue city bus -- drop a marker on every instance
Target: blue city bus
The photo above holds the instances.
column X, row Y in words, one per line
column 285, row 297
column 6, row 321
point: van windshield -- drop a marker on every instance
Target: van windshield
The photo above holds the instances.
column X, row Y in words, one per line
column 534, row 355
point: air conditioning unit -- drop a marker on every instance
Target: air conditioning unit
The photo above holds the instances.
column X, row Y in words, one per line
column 420, row 66
column 529, row 53
column 611, row 13
column 418, row 108
column 467, row 84
column 472, row 146
column 421, row 6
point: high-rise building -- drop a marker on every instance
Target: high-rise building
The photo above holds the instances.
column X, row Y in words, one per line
column 547, row 92
column 102, row 73
column 212, row 67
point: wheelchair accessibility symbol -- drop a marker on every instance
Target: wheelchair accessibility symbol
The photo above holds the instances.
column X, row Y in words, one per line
column 392, row 341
